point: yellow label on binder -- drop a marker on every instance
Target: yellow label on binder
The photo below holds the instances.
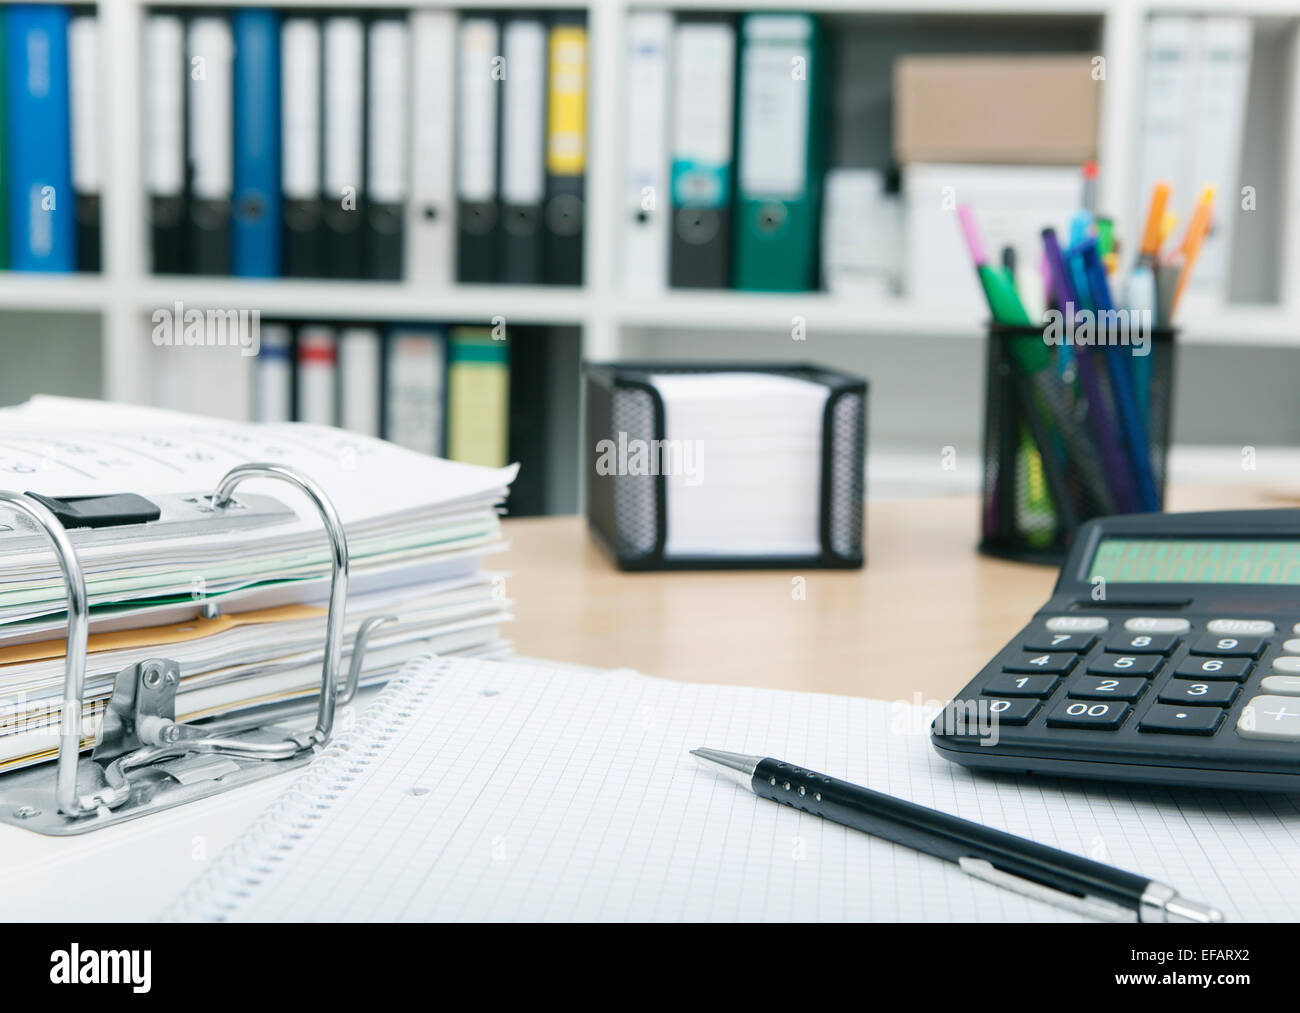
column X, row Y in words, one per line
column 566, row 127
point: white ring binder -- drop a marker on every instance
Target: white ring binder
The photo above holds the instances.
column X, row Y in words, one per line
column 144, row 760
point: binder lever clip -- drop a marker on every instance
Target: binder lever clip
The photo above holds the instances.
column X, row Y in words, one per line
column 145, row 760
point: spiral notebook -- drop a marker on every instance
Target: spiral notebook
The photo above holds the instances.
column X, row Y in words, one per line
column 476, row 790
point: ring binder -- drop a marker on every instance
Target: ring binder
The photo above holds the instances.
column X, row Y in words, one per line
column 144, row 760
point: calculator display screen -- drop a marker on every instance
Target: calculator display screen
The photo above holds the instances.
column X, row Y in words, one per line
column 1199, row 561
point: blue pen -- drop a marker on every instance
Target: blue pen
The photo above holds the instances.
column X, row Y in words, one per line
column 1140, row 299
column 1078, row 276
column 1079, row 226
column 1121, row 381
column 1099, row 416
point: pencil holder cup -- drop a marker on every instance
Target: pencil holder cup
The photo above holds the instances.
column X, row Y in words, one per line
column 1076, row 426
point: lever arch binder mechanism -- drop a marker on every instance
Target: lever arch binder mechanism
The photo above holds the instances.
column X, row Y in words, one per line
column 144, row 760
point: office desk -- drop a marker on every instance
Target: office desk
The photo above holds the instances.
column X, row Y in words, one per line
column 923, row 616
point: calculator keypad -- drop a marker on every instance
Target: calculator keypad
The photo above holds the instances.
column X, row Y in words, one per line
column 1229, row 646
column 1157, row 624
column 1270, row 717
column 1014, row 712
column 1142, row 643
column 1170, row 694
column 1086, row 714
column 1213, row 668
column 1181, row 720
column 1042, row 664
column 1086, row 624
column 1199, row 694
column 1242, row 627
column 1076, row 642
column 1125, row 664
column 1282, row 685
column 1102, row 687
column 1011, row 684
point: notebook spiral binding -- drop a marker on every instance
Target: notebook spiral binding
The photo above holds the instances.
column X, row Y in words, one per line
column 145, row 761
column 265, row 845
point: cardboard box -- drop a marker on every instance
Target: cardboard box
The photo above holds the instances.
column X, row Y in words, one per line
column 1038, row 110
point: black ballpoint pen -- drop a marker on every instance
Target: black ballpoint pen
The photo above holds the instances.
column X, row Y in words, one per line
column 1057, row 877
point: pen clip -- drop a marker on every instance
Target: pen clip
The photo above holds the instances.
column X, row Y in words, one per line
column 1093, row 907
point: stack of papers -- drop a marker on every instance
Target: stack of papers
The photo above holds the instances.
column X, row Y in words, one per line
column 417, row 528
column 742, row 462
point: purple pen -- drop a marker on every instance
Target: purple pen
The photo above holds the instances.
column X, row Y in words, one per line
column 1114, row 460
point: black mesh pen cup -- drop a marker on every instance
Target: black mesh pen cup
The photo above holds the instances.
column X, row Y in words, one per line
column 629, row 510
column 1076, row 426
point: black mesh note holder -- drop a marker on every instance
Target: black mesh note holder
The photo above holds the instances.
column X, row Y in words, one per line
column 628, row 512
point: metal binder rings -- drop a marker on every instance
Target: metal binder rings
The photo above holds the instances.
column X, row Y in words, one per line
column 145, row 760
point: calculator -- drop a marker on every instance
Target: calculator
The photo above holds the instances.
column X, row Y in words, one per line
column 1169, row 653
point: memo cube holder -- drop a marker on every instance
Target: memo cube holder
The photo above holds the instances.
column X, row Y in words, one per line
column 144, row 760
column 629, row 513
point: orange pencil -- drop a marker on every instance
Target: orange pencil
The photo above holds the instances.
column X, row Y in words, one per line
column 1155, row 219
column 1197, row 229
column 1167, row 226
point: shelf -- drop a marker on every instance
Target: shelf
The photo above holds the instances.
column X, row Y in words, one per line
column 1245, row 326
column 366, row 300
column 819, row 312
column 60, row 293
column 989, row 8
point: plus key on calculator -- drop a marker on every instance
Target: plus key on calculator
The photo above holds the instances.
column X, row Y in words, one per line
column 1168, row 653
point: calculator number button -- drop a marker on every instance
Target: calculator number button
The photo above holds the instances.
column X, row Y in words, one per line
column 1055, row 664
column 1047, row 642
column 1086, row 714
column 1276, row 718
column 1213, row 668
column 1125, row 664
column 1157, row 624
column 1012, row 712
column 1181, row 720
column 1204, row 694
column 1142, row 643
column 1229, row 646
column 1101, row 687
column 1021, row 685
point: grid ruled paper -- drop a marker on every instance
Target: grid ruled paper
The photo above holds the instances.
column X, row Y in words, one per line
column 487, row 791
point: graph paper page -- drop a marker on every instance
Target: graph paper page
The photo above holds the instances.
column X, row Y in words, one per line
column 489, row 791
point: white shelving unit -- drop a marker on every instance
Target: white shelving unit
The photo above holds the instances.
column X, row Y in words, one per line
column 126, row 294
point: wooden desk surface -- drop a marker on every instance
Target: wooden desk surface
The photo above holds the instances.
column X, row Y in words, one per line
column 923, row 616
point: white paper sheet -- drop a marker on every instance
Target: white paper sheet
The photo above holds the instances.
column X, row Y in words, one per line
column 476, row 790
